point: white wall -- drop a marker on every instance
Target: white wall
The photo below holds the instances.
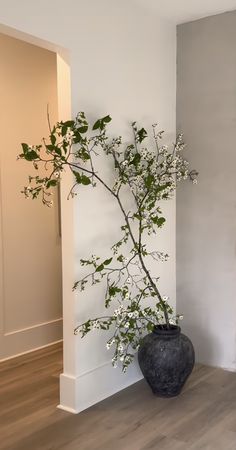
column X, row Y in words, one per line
column 122, row 63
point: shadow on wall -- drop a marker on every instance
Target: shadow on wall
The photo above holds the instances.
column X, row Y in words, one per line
column 206, row 344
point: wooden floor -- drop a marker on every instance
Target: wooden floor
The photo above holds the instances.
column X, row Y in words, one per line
column 202, row 417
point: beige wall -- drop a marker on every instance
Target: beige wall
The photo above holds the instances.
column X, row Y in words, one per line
column 30, row 257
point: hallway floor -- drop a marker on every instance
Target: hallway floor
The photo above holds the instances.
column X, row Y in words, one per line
column 202, row 417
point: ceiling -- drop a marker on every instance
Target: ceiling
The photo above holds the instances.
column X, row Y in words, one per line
column 180, row 11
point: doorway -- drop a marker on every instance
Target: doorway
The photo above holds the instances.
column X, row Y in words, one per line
column 31, row 266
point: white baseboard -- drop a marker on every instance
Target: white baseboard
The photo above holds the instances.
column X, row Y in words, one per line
column 69, row 410
column 79, row 393
column 218, row 365
column 30, row 351
column 229, row 369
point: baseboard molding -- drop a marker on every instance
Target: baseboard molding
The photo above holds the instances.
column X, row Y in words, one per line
column 32, row 327
column 229, row 369
column 217, row 365
column 79, row 393
column 69, row 410
column 31, row 351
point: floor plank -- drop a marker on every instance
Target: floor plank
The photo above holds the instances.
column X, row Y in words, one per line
column 203, row 417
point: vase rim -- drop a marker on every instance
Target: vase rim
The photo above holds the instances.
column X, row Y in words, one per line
column 162, row 330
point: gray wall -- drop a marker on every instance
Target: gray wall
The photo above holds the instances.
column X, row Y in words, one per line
column 206, row 213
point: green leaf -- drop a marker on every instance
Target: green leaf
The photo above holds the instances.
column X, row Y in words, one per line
column 77, row 177
column 160, row 221
column 85, row 180
column 107, row 261
column 150, row 326
column 51, row 183
column 31, row 155
column 162, row 188
column 83, row 129
column 53, row 139
column 58, row 151
column 77, row 138
column 69, row 123
column 81, row 115
column 50, row 147
column 149, row 180
column 113, row 290
column 136, row 159
column 63, row 130
column 107, row 119
column 97, row 124
column 142, row 134
column 54, row 148
column 85, row 156
column 99, row 268
column 25, row 147
column 100, row 123
column 107, row 302
column 81, row 179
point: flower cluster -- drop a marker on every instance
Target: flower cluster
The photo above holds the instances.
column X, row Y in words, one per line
column 130, row 323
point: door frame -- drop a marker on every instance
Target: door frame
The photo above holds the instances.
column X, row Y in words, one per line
column 66, row 207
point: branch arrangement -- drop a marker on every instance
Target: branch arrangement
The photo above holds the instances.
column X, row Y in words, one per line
column 150, row 177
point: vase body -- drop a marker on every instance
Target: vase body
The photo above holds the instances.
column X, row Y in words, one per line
column 166, row 358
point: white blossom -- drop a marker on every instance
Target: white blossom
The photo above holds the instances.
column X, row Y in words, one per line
column 95, row 325
column 114, row 361
column 172, row 322
column 69, row 136
column 120, row 347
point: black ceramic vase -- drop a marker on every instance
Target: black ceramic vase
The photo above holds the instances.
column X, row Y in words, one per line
column 166, row 358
